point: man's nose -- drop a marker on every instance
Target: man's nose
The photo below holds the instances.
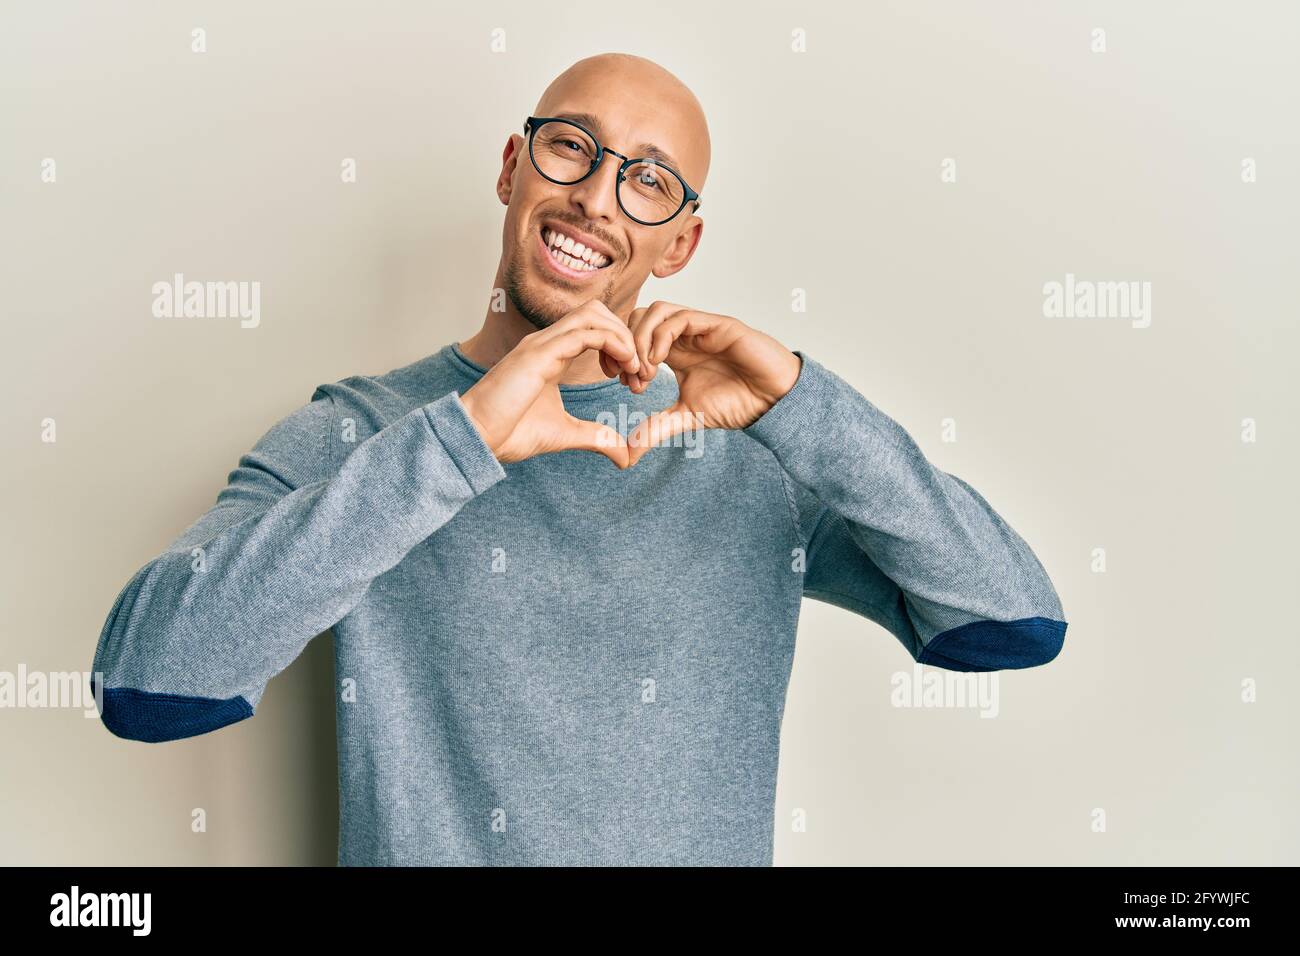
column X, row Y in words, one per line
column 595, row 194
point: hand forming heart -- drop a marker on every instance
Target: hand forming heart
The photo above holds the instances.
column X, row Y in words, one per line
column 728, row 374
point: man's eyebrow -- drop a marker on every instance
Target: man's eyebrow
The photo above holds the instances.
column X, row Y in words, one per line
column 644, row 151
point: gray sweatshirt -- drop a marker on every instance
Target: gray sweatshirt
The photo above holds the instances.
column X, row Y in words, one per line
column 555, row 661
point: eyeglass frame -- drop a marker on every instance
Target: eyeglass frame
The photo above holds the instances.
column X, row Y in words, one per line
column 534, row 123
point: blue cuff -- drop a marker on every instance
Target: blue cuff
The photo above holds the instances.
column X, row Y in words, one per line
column 996, row 645
column 153, row 718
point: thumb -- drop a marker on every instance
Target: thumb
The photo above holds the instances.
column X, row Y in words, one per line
column 592, row 436
column 658, row 428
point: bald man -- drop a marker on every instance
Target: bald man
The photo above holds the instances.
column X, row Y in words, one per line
column 564, row 583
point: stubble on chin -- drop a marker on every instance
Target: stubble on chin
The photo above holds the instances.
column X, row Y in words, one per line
column 538, row 312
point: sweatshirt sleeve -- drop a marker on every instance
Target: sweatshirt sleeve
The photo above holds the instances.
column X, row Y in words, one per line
column 896, row 540
column 287, row 550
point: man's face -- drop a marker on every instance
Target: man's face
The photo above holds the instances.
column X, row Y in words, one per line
column 542, row 280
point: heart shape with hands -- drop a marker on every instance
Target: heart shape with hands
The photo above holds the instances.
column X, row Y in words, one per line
column 728, row 375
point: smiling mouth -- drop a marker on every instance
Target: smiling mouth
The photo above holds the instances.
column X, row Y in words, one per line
column 572, row 254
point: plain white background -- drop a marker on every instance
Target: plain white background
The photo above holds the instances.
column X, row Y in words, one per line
column 927, row 296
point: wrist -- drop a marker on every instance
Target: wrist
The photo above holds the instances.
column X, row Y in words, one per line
column 475, row 416
column 784, row 375
column 794, row 365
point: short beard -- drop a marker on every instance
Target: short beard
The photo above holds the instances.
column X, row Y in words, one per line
column 538, row 314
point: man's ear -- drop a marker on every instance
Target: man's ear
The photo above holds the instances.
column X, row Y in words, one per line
column 509, row 163
column 680, row 250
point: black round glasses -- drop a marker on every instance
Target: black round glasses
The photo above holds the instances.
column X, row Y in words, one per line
column 566, row 153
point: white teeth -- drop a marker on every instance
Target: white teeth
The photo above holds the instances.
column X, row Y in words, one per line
column 574, row 254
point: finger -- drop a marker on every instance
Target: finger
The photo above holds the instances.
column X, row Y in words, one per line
column 643, row 331
column 572, row 344
column 685, row 322
column 597, row 307
column 658, row 428
column 635, row 319
column 637, row 384
column 610, row 367
column 591, row 436
column 664, row 335
column 591, row 315
column 606, row 341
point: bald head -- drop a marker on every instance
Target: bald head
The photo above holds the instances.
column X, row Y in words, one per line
column 639, row 96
